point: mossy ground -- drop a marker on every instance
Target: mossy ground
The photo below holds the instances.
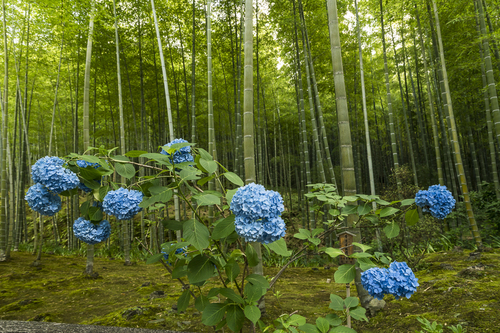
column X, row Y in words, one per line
column 59, row 291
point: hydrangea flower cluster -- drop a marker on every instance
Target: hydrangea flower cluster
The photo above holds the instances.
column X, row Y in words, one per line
column 437, row 200
column 84, row 164
column 181, row 155
column 122, row 203
column 177, row 251
column 91, row 233
column 258, row 214
column 398, row 280
column 49, row 171
column 42, row 201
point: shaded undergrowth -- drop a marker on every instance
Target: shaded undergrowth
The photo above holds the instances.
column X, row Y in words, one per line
column 453, row 290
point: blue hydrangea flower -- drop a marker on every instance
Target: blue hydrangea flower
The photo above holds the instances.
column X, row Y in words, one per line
column 401, row 281
column 374, row 280
column 84, row 164
column 42, row 201
column 258, row 214
column 181, row 155
column 49, row 171
column 437, row 200
column 177, row 251
column 122, row 203
column 398, row 280
column 91, row 233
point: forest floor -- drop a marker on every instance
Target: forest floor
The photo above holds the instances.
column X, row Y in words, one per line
column 455, row 288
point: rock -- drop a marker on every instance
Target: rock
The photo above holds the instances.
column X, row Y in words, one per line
column 157, row 294
column 446, row 267
column 475, row 271
column 146, row 284
column 375, row 306
column 474, row 256
column 130, row 313
column 458, row 249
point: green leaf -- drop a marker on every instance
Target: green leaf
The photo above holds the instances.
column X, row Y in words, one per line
column 235, row 317
column 213, row 292
column 154, row 258
column 317, row 231
column 89, row 173
column 314, row 241
column 232, row 270
column 204, row 154
column 203, row 181
column 300, row 236
column 125, row 170
column 337, row 303
column 121, row 158
column 229, row 293
column 103, row 190
column 89, row 158
column 387, row 211
column 253, row 292
column 363, row 247
column 179, row 271
column 230, row 194
column 200, row 269
column 84, row 208
column 258, row 280
column 358, row 313
column 189, row 174
column 350, row 209
column 95, row 214
column 234, row 178
column 333, row 252
column 372, row 218
column 296, row 320
column 172, row 224
column 224, row 228
column 201, row 302
column 365, row 263
column 334, row 212
column 351, row 302
column 253, row 313
column 213, row 314
column 342, row 329
column 382, row 202
column 357, row 255
column 196, row 234
column 210, row 166
column 183, row 301
column 407, row 202
column 135, row 153
column 364, row 209
column 345, row 274
column 351, row 198
column 411, row 217
column 280, row 248
column 322, row 324
column 308, row 328
column 206, row 199
column 333, row 319
column 178, row 146
column 252, row 258
column 392, row 230
column 163, row 159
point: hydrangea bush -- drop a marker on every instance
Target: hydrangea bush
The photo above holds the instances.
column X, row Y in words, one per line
column 437, row 200
column 243, row 214
column 42, row 200
column 91, row 233
column 399, row 280
column 49, row 172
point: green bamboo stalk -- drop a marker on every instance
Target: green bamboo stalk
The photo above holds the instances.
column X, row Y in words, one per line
column 456, row 147
column 3, row 162
column 211, row 131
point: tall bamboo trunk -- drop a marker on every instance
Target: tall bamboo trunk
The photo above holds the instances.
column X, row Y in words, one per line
column 3, row 162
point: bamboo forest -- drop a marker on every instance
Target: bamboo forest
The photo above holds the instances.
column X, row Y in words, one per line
column 250, row 166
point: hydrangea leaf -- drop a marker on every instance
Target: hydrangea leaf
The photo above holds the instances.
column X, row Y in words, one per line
column 179, row 271
column 103, row 190
column 253, row 313
column 183, row 301
column 308, row 328
column 411, row 217
column 357, row 255
column 365, row 263
column 160, row 158
column 251, row 254
column 337, row 303
column 84, row 208
column 232, row 270
column 296, row 320
column 95, row 214
column 342, row 329
column 358, row 313
column 90, row 173
column 206, row 199
column 322, row 325
column 89, row 158
column 196, row 234
column 280, row 247
column 334, row 212
column 204, row 154
column 154, row 258
column 203, row 181
column 230, row 194
column 201, row 302
column 391, row 230
column 363, row 247
column 364, row 209
column 189, row 174
column 235, row 317
column 91, row 184
column 407, row 202
column 372, row 218
column 351, row 302
column 253, row 292
column 387, row 211
column 210, row 166
column 349, row 209
column 213, row 314
column 229, row 293
column 234, row 178
column 200, row 269
column 172, row 224
column 258, row 280
column 333, row 319
column 180, row 145
column 135, row 153
column 224, row 228
column 382, row 202
column 333, row 252
column 125, row 170
column 345, row 274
